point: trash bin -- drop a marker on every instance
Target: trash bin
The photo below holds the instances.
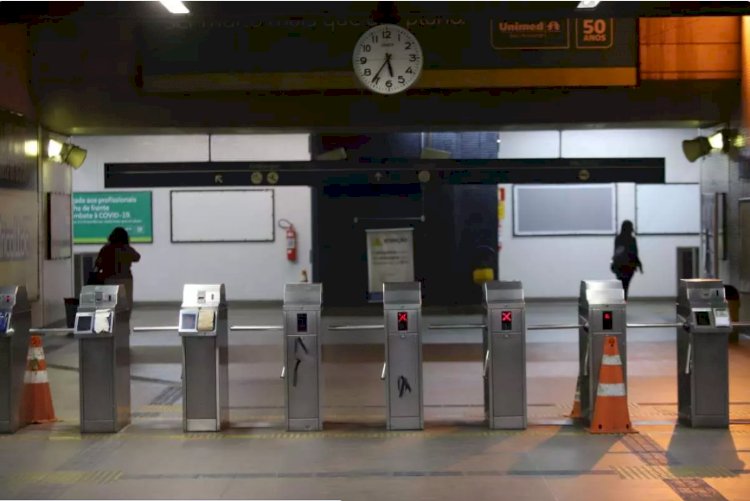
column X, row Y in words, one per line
column 733, row 299
column 71, row 307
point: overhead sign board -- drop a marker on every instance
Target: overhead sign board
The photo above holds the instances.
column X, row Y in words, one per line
column 315, row 51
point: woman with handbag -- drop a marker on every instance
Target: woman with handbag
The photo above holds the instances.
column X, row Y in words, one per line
column 625, row 259
column 114, row 261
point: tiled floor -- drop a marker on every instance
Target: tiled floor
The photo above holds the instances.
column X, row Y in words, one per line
column 354, row 458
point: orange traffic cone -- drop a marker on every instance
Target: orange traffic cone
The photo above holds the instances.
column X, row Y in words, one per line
column 611, row 413
column 575, row 413
column 37, row 398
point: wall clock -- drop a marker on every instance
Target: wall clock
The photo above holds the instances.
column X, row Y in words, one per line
column 387, row 59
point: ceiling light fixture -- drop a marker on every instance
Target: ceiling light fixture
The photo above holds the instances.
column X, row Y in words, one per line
column 176, row 6
column 726, row 141
column 67, row 153
column 587, row 4
column 54, row 148
column 31, row 148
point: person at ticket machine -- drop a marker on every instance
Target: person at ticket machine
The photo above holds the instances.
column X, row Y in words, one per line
column 114, row 261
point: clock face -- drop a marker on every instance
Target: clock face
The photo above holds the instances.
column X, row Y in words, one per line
column 387, row 59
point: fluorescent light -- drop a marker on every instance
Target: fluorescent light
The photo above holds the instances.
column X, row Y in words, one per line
column 177, row 7
column 31, row 148
column 587, row 4
column 54, row 148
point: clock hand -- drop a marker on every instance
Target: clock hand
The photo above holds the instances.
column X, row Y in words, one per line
column 388, row 61
column 375, row 78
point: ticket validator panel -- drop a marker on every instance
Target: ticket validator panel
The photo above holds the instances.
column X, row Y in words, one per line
column 203, row 327
column 504, row 342
column 702, row 353
column 15, row 322
column 102, row 327
column 302, row 352
column 402, row 310
column 601, row 313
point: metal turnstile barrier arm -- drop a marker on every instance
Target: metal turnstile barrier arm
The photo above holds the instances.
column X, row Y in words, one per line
column 51, row 330
column 256, row 328
column 156, row 328
column 554, row 327
column 382, row 372
column 436, row 327
column 371, row 327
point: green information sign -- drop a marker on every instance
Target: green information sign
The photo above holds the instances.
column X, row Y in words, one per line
column 96, row 214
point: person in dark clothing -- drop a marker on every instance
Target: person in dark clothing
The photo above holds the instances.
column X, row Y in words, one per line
column 114, row 261
column 625, row 258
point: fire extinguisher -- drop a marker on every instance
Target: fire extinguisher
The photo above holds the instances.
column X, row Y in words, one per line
column 291, row 239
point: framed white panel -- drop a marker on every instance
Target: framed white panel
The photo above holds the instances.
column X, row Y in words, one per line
column 564, row 209
column 222, row 216
column 668, row 209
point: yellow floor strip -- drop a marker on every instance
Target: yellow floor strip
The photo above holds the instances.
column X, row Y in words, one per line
column 672, row 472
column 65, row 477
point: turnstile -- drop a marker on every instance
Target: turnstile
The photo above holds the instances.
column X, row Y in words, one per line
column 504, row 343
column 302, row 305
column 702, row 353
column 601, row 310
column 15, row 322
column 402, row 307
column 102, row 327
column 203, row 328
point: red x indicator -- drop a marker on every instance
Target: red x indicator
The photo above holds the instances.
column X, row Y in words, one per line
column 403, row 320
column 506, row 320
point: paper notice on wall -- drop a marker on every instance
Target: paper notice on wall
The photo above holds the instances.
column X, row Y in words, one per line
column 390, row 258
column 102, row 321
column 205, row 321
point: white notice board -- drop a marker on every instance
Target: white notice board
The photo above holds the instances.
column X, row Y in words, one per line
column 390, row 258
column 564, row 209
column 222, row 216
column 668, row 209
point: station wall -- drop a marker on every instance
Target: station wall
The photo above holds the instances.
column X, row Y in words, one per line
column 553, row 267
column 550, row 267
column 251, row 271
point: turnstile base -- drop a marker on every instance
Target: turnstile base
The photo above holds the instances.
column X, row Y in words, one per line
column 6, row 427
column 202, row 425
column 508, row 423
column 304, row 425
column 405, row 423
column 102, row 427
column 704, row 421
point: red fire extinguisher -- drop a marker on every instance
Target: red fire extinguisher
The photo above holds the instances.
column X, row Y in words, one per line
column 291, row 239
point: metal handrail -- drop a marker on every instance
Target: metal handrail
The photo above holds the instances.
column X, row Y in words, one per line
column 256, row 328
column 371, row 327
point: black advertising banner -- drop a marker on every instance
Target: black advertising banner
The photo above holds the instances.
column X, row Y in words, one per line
column 19, row 204
column 282, row 53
